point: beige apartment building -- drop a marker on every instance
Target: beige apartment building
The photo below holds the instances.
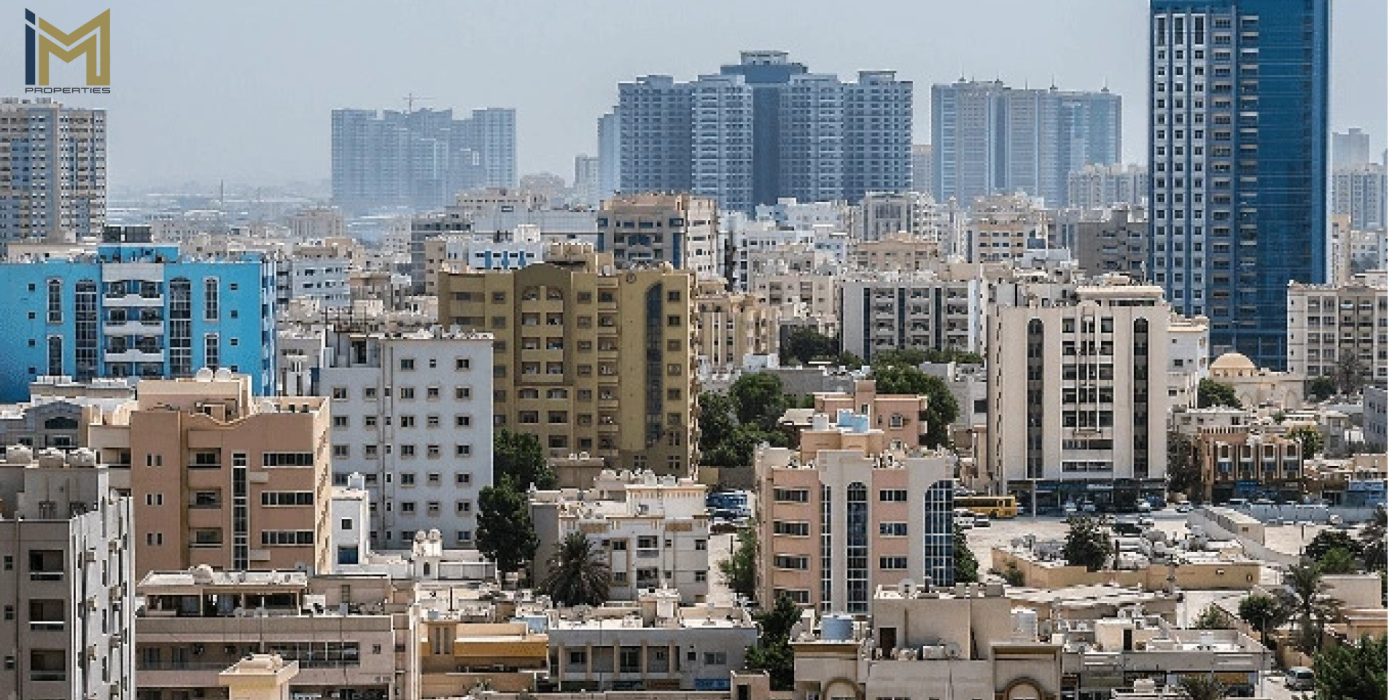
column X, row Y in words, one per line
column 999, row 227
column 732, row 326
column 832, row 529
column 351, row 636
column 1077, row 395
column 1327, row 322
column 221, row 478
column 899, row 251
column 641, row 230
column 588, row 357
column 861, row 419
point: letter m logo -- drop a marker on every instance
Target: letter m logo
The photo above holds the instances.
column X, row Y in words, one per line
column 43, row 41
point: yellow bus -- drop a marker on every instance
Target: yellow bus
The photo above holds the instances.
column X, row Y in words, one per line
column 990, row 506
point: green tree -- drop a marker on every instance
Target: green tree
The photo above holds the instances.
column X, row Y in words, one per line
column 1183, row 469
column 917, row 356
column 716, row 420
column 1308, row 437
column 738, row 569
column 1349, row 373
column 578, row 573
column 1337, row 560
column 503, row 528
column 1352, row 671
column 846, row 358
column 1305, row 597
column 1087, row 543
column 1321, row 388
column 758, row 399
column 1373, row 542
column 806, row 344
column 1212, row 393
column 773, row 653
column 1328, row 540
column 1014, row 575
column 519, row 458
column 964, row 561
column 1263, row 613
column 736, row 448
column 942, row 407
column 1212, row 618
column 1201, row 687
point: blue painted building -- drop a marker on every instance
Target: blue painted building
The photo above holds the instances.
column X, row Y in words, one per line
column 1237, row 163
column 136, row 309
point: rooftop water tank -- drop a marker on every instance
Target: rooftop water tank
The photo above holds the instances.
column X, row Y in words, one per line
column 836, row 627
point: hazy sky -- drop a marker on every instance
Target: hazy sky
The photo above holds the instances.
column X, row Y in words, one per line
column 243, row 91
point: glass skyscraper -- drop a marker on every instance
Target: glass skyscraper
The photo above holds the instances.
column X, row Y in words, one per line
column 1238, row 162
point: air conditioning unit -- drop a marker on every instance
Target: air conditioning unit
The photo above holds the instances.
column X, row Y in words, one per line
column 92, row 652
column 90, row 556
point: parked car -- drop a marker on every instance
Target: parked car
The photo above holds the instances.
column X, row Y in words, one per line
column 1124, row 526
column 980, row 520
column 964, row 518
column 1299, row 678
column 1145, row 522
column 1090, row 508
column 1184, row 507
column 1143, row 506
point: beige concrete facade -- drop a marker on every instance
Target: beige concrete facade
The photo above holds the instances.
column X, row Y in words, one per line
column 344, row 632
column 1077, row 395
column 589, row 358
column 220, row 478
column 833, row 528
column 732, row 326
column 1328, row 322
column 641, row 230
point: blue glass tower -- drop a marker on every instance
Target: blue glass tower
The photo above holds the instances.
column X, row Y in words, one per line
column 136, row 309
column 1238, row 134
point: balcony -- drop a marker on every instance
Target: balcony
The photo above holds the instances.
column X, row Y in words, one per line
column 137, row 300
column 130, row 328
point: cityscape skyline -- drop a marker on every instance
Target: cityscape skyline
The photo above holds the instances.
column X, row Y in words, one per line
column 261, row 146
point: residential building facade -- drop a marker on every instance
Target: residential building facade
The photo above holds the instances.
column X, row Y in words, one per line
column 69, row 594
column 644, row 229
column 411, row 412
column 1341, row 324
column 587, row 357
column 53, row 170
column 1077, row 395
column 833, row 529
column 135, row 309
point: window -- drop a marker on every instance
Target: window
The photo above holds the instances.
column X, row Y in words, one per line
column 464, row 507
column 55, row 301
column 211, row 350
column 288, row 459
column 463, row 364
column 463, row 478
column 407, row 421
column 464, row 421
column 211, row 299
column 407, row 450
column 463, row 393
column 894, row 529
column 715, row 658
column 288, row 538
column 407, row 479
column 464, row 450
column 340, row 421
column 406, row 393
column 55, row 367
column 894, row 495
column 792, row 528
column 894, row 563
column 790, row 495
column 346, row 524
column 406, row 364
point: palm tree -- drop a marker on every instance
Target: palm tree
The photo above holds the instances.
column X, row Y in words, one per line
column 1349, row 374
column 578, row 574
column 1307, row 600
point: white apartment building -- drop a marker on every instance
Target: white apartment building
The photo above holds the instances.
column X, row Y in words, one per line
column 881, row 214
column 646, row 229
column 1188, row 351
column 1327, row 322
column 412, row 413
column 938, row 309
column 68, row 591
column 1360, row 192
column 314, row 275
column 1099, row 186
column 653, row 530
column 756, row 241
column 807, row 294
column 1077, row 395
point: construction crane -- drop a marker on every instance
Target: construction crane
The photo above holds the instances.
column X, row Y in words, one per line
column 410, row 97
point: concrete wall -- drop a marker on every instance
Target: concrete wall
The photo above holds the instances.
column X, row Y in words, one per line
column 1240, row 575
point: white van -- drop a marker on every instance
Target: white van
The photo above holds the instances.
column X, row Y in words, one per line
column 1299, row 678
column 963, row 517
